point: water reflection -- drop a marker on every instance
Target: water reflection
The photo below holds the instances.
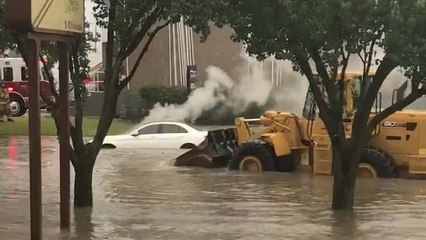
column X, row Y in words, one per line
column 11, row 158
column 83, row 226
column 140, row 195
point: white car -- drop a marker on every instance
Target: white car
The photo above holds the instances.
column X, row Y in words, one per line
column 158, row 135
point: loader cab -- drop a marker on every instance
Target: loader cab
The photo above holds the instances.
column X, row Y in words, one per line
column 355, row 85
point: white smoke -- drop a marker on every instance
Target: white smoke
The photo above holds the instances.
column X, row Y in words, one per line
column 291, row 94
column 256, row 83
column 253, row 85
column 200, row 100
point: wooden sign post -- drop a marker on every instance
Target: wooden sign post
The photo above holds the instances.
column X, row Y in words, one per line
column 47, row 20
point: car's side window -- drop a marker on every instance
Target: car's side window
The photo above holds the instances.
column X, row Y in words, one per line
column 152, row 129
column 172, row 128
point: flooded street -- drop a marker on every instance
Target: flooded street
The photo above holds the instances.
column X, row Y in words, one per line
column 140, row 195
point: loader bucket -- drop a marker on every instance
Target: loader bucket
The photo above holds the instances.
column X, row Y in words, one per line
column 214, row 152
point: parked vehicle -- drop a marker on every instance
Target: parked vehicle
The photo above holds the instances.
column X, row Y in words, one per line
column 15, row 75
column 158, row 135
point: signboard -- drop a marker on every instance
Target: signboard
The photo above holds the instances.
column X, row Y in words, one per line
column 63, row 17
column 191, row 77
column 191, row 73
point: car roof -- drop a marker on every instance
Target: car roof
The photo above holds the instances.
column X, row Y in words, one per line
column 182, row 124
column 165, row 122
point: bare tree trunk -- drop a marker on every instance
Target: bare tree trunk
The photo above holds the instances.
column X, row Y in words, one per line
column 345, row 174
column 83, row 196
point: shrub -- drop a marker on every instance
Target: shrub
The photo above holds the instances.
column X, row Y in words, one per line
column 164, row 95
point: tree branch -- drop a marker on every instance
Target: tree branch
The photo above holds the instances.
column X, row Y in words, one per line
column 342, row 82
column 370, row 57
column 345, row 65
column 148, row 23
column 362, row 59
column 314, row 86
column 413, row 96
column 78, row 121
column 362, row 115
column 384, row 69
column 335, row 69
column 322, row 70
column 110, row 45
column 142, row 54
column 301, row 58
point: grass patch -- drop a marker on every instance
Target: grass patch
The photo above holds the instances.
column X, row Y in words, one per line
column 20, row 126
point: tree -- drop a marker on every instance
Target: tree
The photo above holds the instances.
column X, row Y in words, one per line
column 129, row 24
column 79, row 67
column 322, row 37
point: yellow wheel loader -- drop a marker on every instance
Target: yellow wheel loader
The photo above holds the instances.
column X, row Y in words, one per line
column 282, row 141
column 274, row 142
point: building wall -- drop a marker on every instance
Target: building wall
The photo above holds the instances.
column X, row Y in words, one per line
column 159, row 66
column 220, row 51
column 154, row 68
column 162, row 63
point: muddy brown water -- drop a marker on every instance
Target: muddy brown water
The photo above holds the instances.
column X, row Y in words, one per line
column 140, row 195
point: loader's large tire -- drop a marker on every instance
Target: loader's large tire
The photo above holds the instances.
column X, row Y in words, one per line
column 253, row 156
column 381, row 162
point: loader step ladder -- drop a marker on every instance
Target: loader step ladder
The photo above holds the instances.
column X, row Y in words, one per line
column 322, row 155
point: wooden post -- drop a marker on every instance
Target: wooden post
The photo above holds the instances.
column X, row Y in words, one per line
column 64, row 135
column 34, row 138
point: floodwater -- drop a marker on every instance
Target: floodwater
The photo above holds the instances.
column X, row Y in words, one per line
column 140, row 195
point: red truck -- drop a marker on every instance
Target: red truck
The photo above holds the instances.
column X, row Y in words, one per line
column 14, row 73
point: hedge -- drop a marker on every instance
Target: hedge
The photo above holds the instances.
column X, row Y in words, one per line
column 153, row 94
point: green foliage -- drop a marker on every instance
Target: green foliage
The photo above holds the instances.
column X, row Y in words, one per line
column 134, row 18
column 6, row 40
column 406, row 37
column 79, row 66
column 321, row 37
column 153, row 94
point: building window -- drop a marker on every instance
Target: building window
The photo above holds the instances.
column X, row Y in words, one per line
column 97, row 84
